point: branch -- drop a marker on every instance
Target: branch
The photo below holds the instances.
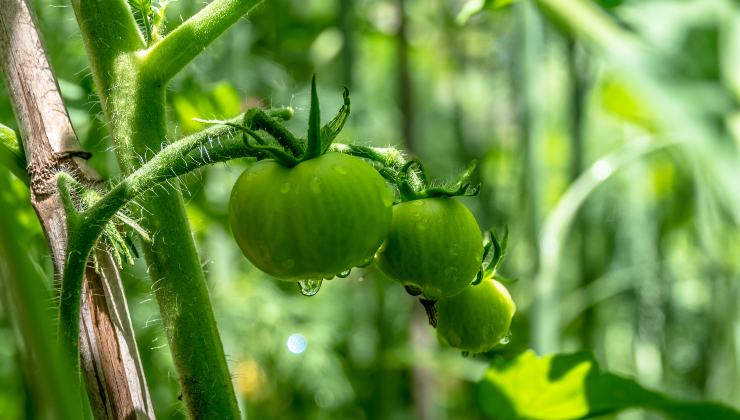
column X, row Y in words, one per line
column 171, row 54
column 216, row 144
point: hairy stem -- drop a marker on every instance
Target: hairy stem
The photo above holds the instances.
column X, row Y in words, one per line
column 131, row 82
column 173, row 52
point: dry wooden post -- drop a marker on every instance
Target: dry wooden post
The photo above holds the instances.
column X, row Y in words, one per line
column 108, row 353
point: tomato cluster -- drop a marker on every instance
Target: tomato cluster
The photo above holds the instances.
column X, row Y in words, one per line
column 306, row 213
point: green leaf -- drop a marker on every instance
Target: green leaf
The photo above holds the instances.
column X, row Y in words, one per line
column 11, row 154
column 145, row 15
column 473, row 7
column 571, row 386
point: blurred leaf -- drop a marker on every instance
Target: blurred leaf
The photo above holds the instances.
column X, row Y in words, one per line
column 11, row 154
column 52, row 382
column 609, row 4
column 570, row 386
column 620, row 100
column 473, row 7
column 221, row 101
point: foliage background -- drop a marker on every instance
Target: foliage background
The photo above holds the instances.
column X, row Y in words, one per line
column 648, row 274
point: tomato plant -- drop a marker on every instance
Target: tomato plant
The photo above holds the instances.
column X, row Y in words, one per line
column 314, row 220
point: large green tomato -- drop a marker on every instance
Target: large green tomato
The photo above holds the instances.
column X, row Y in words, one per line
column 478, row 318
column 314, row 220
column 434, row 245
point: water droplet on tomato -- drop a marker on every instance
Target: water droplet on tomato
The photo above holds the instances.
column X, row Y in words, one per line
column 315, row 185
column 309, row 287
column 340, row 169
column 507, row 338
column 344, row 274
column 284, row 188
column 367, row 261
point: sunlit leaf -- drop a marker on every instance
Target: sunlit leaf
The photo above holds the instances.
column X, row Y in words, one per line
column 571, row 386
column 473, row 7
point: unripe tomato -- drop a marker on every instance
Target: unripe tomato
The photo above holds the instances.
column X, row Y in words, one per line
column 476, row 319
column 314, row 220
column 434, row 245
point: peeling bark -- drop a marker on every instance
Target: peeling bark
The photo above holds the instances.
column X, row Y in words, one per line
column 108, row 353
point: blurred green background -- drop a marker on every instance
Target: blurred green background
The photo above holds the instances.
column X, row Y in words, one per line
column 616, row 170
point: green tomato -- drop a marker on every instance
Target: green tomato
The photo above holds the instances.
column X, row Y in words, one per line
column 478, row 318
column 315, row 220
column 434, row 245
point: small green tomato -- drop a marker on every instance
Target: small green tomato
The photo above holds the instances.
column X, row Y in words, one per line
column 434, row 245
column 478, row 318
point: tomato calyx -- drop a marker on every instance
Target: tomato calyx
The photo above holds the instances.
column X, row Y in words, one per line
column 494, row 251
column 284, row 146
column 413, row 183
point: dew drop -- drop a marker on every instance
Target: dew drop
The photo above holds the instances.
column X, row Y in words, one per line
column 284, row 188
column 340, row 169
column 364, row 263
column 309, row 287
column 315, row 185
column 507, row 338
column 344, row 274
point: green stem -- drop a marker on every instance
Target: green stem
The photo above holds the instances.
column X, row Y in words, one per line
column 131, row 83
column 173, row 52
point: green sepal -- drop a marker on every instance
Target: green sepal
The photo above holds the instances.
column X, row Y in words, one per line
column 257, row 119
column 272, row 151
column 314, row 146
column 330, row 131
column 461, row 187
